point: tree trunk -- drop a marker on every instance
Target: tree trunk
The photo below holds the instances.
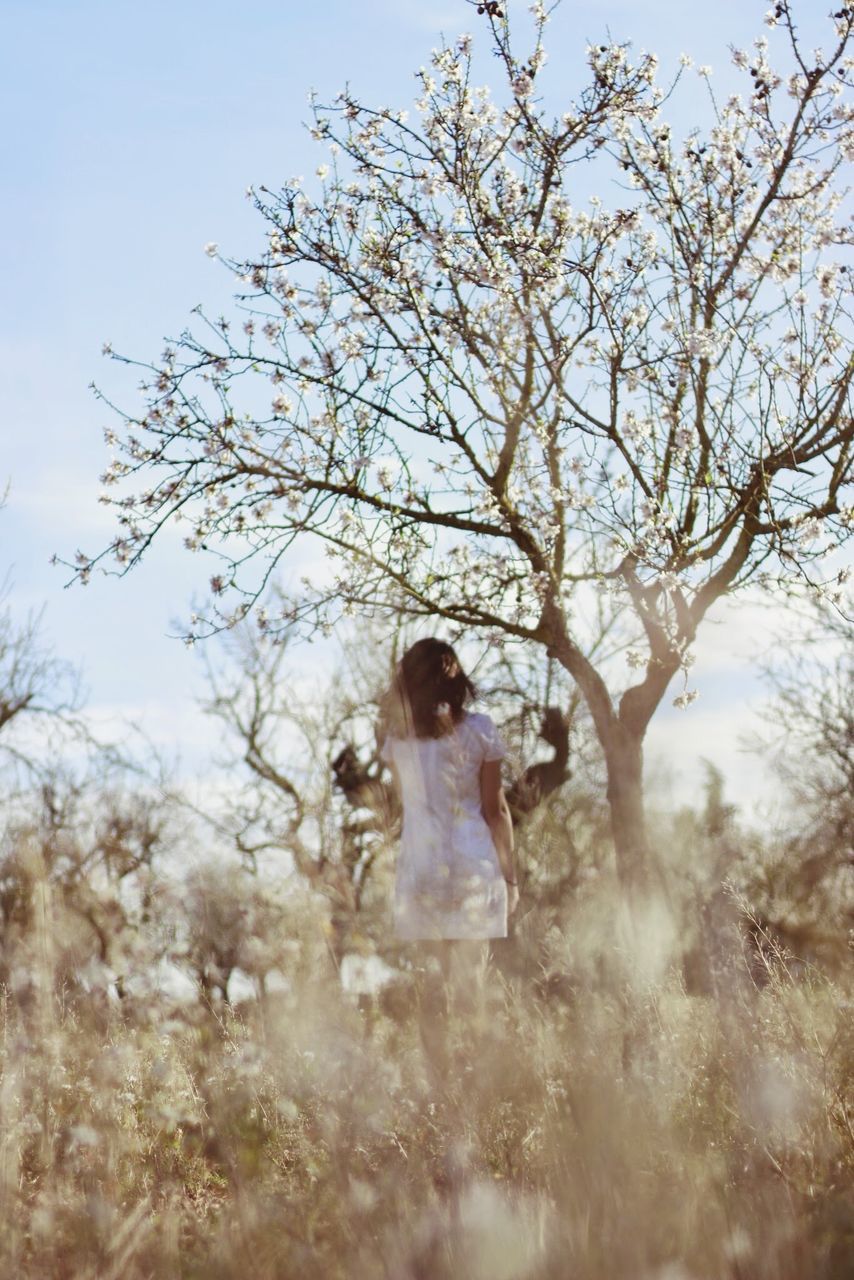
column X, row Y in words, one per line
column 621, row 738
column 624, row 761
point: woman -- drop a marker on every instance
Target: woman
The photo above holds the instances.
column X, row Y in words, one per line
column 455, row 883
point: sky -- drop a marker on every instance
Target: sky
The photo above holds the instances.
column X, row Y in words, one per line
column 132, row 134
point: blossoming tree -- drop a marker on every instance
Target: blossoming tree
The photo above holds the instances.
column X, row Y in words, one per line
column 483, row 394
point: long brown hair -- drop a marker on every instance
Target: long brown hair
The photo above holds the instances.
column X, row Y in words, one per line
column 428, row 694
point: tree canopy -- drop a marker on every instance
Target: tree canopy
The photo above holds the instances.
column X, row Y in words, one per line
column 478, row 393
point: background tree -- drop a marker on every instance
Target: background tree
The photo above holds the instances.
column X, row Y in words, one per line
column 227, row 920
column 39, row 698
column 308, row 795
column 802, row 889
column 488, row 404
column 85, row 852
column 811, row 722
column 81, row 829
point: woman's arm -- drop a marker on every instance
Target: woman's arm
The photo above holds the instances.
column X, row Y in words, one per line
column 497, row 814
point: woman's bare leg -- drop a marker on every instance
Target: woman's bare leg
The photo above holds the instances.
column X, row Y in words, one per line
column 458, row 987
column 468, row 961
column 432, row 997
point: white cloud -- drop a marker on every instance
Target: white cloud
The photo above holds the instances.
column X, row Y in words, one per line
column 678, row 742
column 738, row 632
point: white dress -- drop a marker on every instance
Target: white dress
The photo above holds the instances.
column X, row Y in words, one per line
column 449, row 882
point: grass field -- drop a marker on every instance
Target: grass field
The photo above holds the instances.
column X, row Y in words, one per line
column 593, row 1120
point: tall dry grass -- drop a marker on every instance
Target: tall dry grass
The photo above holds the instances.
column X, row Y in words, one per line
column 598, row 1122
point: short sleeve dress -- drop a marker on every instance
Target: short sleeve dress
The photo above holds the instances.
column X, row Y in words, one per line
column 448, row 882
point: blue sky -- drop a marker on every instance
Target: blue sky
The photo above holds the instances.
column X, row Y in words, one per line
column 132, row 133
